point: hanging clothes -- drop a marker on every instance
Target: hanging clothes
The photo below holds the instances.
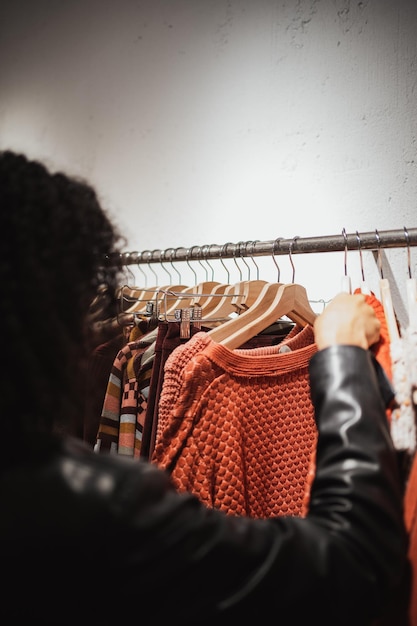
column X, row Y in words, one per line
column 403, row 428
column 404, row 363
column 168, row 339
column 237, row 427
column 99, row 366
column 124, row 406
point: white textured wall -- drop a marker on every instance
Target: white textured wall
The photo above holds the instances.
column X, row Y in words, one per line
column 207, row 121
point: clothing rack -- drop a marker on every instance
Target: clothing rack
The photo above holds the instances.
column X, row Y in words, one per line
column 371, row 240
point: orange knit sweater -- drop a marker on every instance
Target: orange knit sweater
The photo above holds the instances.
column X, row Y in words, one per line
column 237, row 427
column 241, row 432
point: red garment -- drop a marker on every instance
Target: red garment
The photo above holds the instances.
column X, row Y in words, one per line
column 381, row 349
column 229, row 422
column 238, row 428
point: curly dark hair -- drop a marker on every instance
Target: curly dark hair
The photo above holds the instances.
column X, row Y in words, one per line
column 56, row 244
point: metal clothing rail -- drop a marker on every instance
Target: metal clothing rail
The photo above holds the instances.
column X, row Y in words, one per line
column 373, row 240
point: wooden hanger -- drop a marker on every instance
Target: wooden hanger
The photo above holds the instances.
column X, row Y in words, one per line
column 238, row 297
column 274, row 301
column 191, row 297
column 146, row 297
column 225, row 304
column 208, row 301
column 223, row 300
column 251, row 291
column 158, row 295
column 212, row 299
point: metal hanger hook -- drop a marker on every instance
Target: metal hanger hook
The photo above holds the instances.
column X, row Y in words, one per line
column 379, row 258
column 149, row 253
column 276, row 241
column 235, row 251
column 174, row 254
column 152, row 270
column 187, row 260
column 360, row 255
column 240, row 245
column 140, row 269
column 224, row 249
column 205, row 253
column 290, row 257
column 163, row 266
column 407, row 238
column 253, row 243
column 346, row 249
column 199, row 261
column 125, row 258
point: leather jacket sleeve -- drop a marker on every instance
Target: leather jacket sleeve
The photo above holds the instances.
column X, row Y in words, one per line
column 116, row 542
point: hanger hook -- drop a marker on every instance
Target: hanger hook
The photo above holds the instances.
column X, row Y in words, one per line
column 174, row 254
column 205, row 251
column 243, row 244
column 152, row 270
column 290, row 256
column 163, row 266
column 140, row 269
column 125, row 258
column 276, row 241
column 379, row 258
column 407, row 238
column 346, row 249
column 235, row 250
column 149, row 253
column 199, row 261
column 187, row 260
column 224, row 249
column 251, row 255
column 360, row 255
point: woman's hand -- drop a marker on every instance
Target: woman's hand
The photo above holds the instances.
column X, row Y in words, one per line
column 348, row 320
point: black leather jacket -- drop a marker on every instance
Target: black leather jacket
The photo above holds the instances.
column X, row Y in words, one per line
column 96, row 539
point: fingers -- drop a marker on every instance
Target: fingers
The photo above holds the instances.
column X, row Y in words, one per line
column 349, row 320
